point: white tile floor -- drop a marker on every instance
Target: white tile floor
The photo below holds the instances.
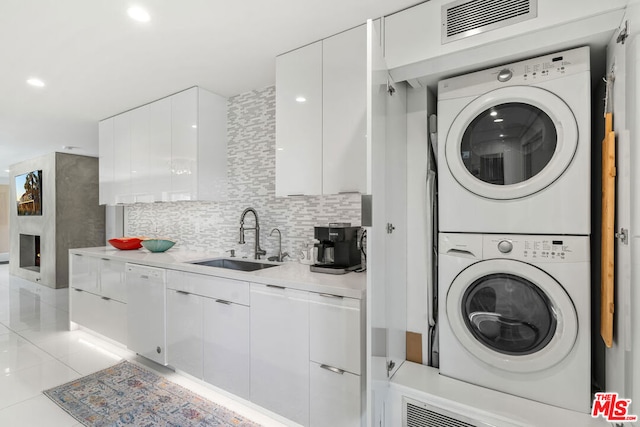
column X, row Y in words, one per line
column 37, row 352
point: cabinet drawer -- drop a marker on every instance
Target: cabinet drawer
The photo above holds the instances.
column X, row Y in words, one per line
column 105, row 316
column 84, row 272
column 334, row 328
column 334, row 397
column 113, row 279
column 230, row 290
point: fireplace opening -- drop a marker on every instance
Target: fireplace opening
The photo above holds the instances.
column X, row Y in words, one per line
column 30, row 252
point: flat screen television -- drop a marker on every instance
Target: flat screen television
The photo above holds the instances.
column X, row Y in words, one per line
column 29, row 193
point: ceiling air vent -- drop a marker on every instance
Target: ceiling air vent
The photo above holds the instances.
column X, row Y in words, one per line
column 420, row 414
column 464, row 18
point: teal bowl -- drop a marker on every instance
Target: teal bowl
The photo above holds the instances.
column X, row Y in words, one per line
column 157, row 245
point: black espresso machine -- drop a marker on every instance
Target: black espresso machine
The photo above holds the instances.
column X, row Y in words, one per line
column 337, row 249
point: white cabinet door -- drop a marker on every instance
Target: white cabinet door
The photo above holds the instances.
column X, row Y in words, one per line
column 226, row 346
column 112, row 279
column 335, row 397
column 184, row 331
column 184, row 145
column 335, row 334
column 84, row 273
column 159, row 171
column 299, row 121
column 140, row 154
column 212, row 146
column 280, row 351
column 344, row 114
column 122, row 191
column 106, row 161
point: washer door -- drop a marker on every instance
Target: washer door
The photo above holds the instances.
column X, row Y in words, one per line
column 511, row 142
column 512, row 315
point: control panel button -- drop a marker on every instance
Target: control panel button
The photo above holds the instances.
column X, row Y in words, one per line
column 505, row 246
column 505, row 75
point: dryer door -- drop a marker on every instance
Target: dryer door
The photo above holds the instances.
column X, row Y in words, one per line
column 512, row 315
column 511, row 142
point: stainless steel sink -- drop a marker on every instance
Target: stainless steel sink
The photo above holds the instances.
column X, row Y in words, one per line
column 233, row 264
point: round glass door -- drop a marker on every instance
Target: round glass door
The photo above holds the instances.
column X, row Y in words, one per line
column 511, row 315
column 511, row 142
column 508, row 314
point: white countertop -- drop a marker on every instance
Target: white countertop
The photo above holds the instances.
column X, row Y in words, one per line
column 288, row 274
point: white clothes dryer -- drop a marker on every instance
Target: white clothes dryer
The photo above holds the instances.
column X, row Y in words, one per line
column 514, row 148
column 514, row 315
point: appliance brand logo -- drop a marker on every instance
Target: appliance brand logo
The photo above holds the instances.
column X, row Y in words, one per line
column 612, row 408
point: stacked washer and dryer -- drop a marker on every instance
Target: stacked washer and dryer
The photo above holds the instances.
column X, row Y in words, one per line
column 514, row 229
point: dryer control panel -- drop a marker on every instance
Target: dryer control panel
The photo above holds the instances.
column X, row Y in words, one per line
column 528, row 72
column 535, row 248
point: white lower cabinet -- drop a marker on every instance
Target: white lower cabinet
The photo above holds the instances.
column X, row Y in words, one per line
column 208, row 329
column 280, row 351
column 334, row 397
column 226, row 346
column 101, row 314
column 184, row 331
column 97, row 295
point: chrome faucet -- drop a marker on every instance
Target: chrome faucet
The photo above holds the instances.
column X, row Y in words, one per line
column 256, row 250
column 280, row 256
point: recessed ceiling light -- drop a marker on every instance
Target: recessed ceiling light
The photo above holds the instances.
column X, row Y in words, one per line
column 498, row 120
column 138, row 14
column 301, row 99
column 35, row 82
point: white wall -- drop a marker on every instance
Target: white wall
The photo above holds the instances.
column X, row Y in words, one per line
column 4, row 222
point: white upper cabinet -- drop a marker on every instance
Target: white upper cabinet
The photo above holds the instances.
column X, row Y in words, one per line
column 106, row 160
column 299, row 121
column 159, row 167
column 122, row 191
column 171, row 149
column 321, row 117
column 140, row 154
column 344, row 117
column 184, row 144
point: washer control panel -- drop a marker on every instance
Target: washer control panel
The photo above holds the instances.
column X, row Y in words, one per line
column 536, row 248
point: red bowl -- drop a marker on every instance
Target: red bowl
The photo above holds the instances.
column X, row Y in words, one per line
column 126, row 243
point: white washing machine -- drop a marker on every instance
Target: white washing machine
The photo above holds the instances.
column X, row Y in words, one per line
column 514, row 147
column 514, row 315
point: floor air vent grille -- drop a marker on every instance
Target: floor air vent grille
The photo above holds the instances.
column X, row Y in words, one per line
column 464, row 18
column 420, row 414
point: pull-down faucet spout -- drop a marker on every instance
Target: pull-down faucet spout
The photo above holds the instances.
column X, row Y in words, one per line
column 256, row 250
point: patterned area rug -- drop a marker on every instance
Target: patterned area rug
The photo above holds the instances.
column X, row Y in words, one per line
column 128, row 395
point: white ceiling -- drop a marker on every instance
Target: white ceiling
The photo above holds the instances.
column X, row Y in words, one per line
column 97, row 62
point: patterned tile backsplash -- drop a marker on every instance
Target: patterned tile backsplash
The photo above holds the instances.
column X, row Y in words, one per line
column 251, row 161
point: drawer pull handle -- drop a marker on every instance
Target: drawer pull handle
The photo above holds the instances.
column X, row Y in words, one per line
column 183, row 292
column 77, row 254
column 276, row 287
column 106, row 298
column 105, row 259
column 331, row 296
column 77, row 290
column 349, row 192
column 295, row 195
column 221, row 301
column 332, row 369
